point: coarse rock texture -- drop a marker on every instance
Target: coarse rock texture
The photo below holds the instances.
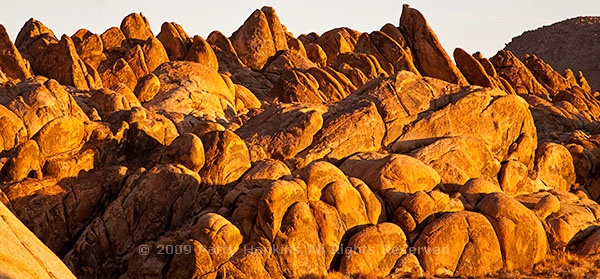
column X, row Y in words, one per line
column 458, row 244
column 430, row 58
column 23, row 254
column 12, row 64
column 192, row 88
column 374, row 250
column 269, row 155
column 281, row 132
column 521, row 235
column 396, row 172
column 555, row 44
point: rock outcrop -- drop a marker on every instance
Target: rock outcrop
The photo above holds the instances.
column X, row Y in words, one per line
column 23, row 254
column 556, row 44
column 265, row 155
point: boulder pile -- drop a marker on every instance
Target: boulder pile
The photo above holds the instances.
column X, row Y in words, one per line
column 265, row 155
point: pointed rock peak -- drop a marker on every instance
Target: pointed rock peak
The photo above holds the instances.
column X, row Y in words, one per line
column 393, row 32
column 583, row 83
column 545, row 74
column 504, row 58
column 253, row 41
column 201, row 52
column 11, row 62
column 517, row 74
column 135, row 26
column 31, row 31
column 174, row 39
column 277, row 29
column 113, row 39
column 472, row 69
column 430, row 57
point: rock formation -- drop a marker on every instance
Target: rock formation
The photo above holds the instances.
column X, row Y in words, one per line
column 264, row 155
column 570, row 44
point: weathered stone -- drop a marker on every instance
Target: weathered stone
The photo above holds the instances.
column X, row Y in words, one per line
column 69, row 166
column 459, row 244
column 550, row 79
column 60, row 135
column 398, row 172
column 503, row 122
column 113, row 39
column 192, row 88
column 521, row 235
column 60, row 61
column 347, row 201
column 422, row 205
column 33, row 39
column 12, row 129
column 226, row 54
column 23, row 255
column 546, row 206
column 516, row 73
column 576, row 33
column 187, row 150
column 336, row 41
column 54, row 210
column 106, row 101
column 136, row 59
column 26, row 160
column 430, row 57
column 226, row 157
column 458, row 159
column 286, row 60
column 89, row 47
column 112, row 236
column 253, row 41
column 13, row 65
column 37, row 102
column 119, row 72
column 554, row 166
column 155, row 53
column 575, row 219
column 196, row 263
column 333, row 85
column 474, row 189
column 336, row 140
column 296, row 86
column 201, row 52
column 373, row 250
column 147, row 131
column 281, row 131
column 350, row 62
column 591, row 246
column 316, row 54
column 218, row 235
column 245, row 99
column 174, row 39
column 374, row 205
column 298, row 243
column 408, row 266
column 365, row 45
column 472, row 69
column 399, row 55
column 135, row 26
column 147, row 87
column 274, row 203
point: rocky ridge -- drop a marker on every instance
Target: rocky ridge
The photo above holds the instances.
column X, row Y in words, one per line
column 265, row 155
column 569, row 44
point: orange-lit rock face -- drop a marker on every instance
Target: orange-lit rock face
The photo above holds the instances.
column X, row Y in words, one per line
column 266, row 155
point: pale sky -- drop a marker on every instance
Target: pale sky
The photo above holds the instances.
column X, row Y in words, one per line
column 474, row 25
